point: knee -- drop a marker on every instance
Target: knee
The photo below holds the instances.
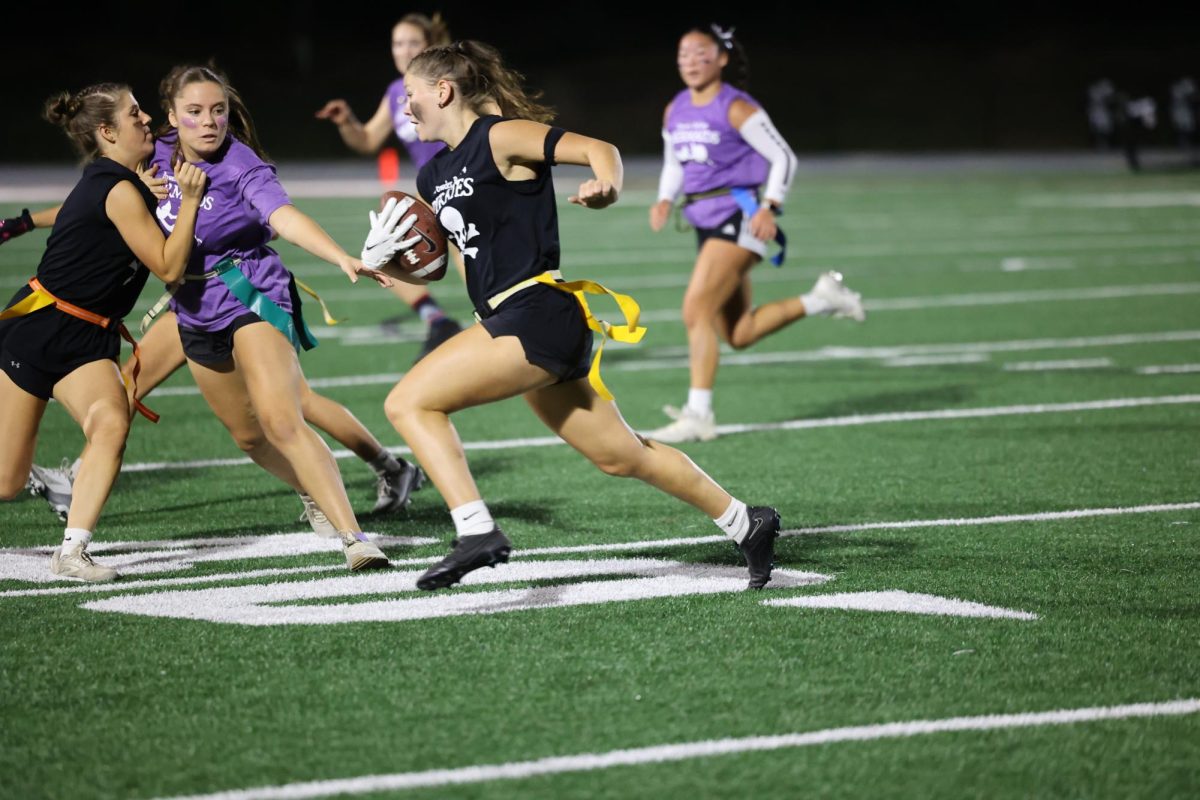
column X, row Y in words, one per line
column 695, row 313
column 623, row 464
column 739, row 341
column 280, row 426
column 249, row 438
column 11, row 485
column 107, row 425
column 401, row 409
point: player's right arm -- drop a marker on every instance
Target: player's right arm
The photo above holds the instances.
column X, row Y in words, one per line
column 166, row 257
column 365, row 139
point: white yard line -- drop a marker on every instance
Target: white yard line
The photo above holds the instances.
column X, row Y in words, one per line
column 788, row 425
column 609, row 547
column 1070, row 363
column 1168, row 369
column 688, row 751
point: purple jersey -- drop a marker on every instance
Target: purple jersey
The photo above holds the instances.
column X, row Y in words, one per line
column 232, row 221
column 713, row 154
column 418, row 151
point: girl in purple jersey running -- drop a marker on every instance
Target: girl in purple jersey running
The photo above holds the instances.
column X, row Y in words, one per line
column 234, row 307
column 412, row 34
column 733, row 169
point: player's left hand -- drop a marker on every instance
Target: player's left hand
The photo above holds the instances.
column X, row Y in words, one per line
column 762, row 224
column 594, row 194
column 14, row 227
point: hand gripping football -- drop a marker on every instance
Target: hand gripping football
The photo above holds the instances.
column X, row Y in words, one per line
column 426, row 259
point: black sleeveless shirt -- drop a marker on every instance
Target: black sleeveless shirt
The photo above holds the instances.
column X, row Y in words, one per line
column 86, row 261
column 88, row 264
column 506, row 230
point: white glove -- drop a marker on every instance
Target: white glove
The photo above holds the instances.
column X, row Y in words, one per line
column 386, row 237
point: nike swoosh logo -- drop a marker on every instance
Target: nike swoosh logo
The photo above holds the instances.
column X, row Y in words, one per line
column 472, row 514
column 757, row 524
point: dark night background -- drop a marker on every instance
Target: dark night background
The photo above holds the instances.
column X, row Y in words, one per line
column 834, row 77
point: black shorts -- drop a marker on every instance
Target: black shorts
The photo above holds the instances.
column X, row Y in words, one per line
column 214, row 347
column 41, row 348
column 735, row 229
column 551, row 329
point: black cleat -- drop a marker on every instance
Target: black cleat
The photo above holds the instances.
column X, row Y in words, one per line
column 439, row 332
column 486, row 550
column 758, row 548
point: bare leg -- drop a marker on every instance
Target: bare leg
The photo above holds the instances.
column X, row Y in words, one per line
column 471, row 369
column 594, row 427
column 95, row 397
column 20, row 415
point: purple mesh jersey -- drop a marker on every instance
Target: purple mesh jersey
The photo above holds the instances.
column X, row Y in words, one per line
column 713, row 154
column 232, row 221
column 418, row 151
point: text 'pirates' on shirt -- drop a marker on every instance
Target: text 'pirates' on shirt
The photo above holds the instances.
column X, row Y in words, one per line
column 243, row 191
column 506, row 230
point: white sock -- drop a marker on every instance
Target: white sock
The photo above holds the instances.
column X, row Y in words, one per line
column 384, row 463
column 815, row 306
column 735, row 521
column 472, row 519
column 700, row 401
column 75, row 539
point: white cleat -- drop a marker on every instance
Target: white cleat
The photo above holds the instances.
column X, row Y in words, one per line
column 55, row 486
column 315, row 517
column 79, row 565
column 689, row 426
column 844, row 303
column 360, row 553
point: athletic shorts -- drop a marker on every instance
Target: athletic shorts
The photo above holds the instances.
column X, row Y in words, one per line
column 216, row 347
column 551, row 329
column 736, row 229
column 41, row 348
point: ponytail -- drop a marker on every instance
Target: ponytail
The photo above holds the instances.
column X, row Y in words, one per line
column 482, row 78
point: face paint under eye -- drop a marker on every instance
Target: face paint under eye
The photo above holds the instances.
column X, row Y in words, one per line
column 189, row 122
column 221, row 120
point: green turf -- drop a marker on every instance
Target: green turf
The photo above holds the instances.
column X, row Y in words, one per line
column 98, row 704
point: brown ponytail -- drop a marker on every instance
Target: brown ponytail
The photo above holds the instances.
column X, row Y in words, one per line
column 482, row 78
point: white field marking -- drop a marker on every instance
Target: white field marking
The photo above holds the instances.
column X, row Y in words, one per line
column 677, row 357
column 142, row 558
column 687, row 751
column 1112, row 200
column 757, row 427
column 1072, row 262
column 935, row 360
column 1070, row 363
column 265, row 604
column 1023, row 264
column 1168, row 369
column 616, row 547
column 897, row 601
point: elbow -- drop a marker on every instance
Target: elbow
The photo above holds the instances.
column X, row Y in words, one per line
column 171, row 274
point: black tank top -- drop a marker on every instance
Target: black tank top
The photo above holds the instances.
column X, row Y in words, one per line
column 86, row 261
column 507, row 230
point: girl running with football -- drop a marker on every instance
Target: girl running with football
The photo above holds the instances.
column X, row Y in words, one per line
column 61, row 334
column 493, row 193
column 733, row 169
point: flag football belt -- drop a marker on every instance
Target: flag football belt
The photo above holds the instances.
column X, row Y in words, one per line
column 41, row 297
column 630, row 332
column 254, row 300
column 747, row 201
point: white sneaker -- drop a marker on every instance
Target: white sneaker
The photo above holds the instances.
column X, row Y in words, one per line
column 689, row 426
column 79, row 565
column 315, row 517
column 844, row 303
column 361, row 554
column 53, row 485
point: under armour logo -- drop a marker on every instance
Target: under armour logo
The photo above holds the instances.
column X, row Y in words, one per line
column 15, row 364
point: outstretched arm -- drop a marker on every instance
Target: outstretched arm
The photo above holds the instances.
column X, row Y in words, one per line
column 518, row 142
column 365, row 139
column 303, row 231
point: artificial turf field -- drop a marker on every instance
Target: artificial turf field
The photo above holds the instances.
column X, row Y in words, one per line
column 1015, row 427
